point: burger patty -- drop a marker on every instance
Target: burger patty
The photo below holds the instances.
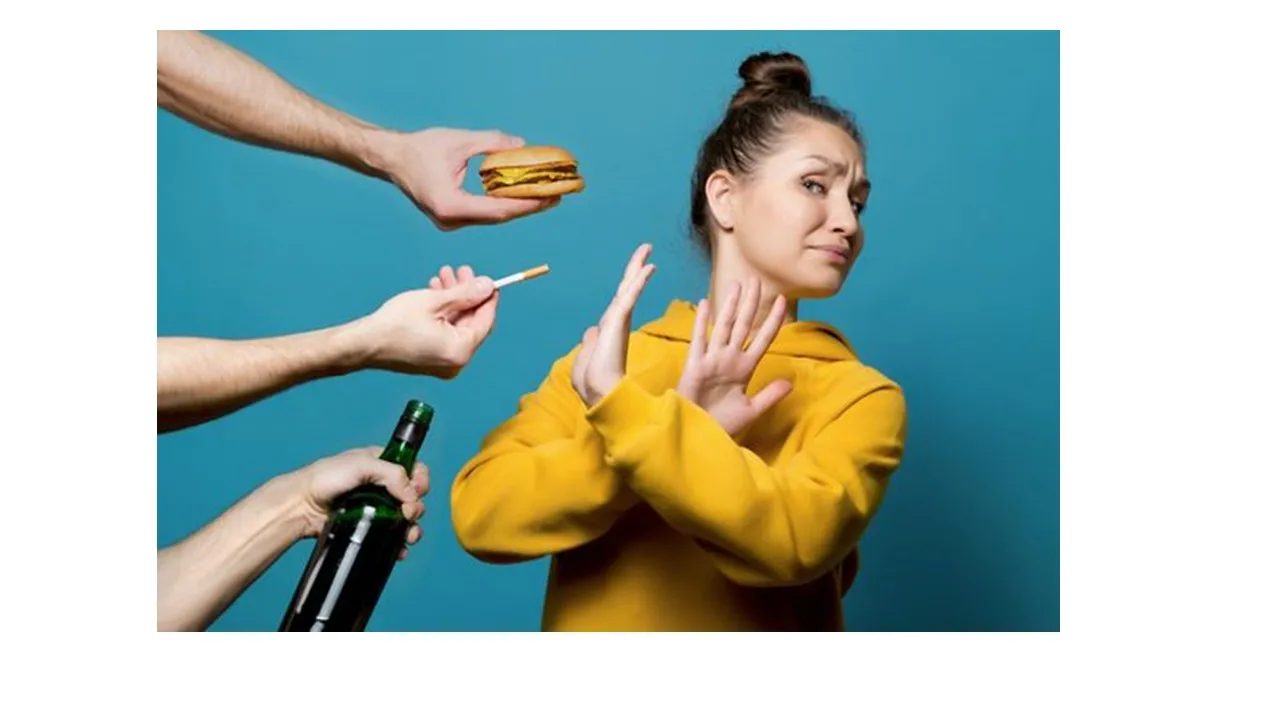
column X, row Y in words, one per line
column 525, row 175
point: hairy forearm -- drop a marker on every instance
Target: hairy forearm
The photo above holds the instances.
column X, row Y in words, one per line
column 223, row 90
column 199, row 379
column 199, row 577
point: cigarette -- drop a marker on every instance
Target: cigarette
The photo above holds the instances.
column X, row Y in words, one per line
column 533, row 273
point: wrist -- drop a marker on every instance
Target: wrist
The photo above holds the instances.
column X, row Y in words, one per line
column 376, row 150
column 291, row 510
column 625, row 420
column 281, row 509
column 351, row 347
column 595, row 392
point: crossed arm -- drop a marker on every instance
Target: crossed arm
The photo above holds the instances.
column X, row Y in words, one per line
column 543, row 483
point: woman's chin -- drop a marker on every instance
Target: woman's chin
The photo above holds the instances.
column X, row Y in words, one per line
column 816, row 288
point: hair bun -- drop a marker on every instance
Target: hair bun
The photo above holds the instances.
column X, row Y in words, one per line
column 766, row 75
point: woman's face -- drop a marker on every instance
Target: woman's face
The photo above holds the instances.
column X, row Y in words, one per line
column 795, row 220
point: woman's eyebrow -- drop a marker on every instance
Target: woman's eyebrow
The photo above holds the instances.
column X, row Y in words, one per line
column 837, row 166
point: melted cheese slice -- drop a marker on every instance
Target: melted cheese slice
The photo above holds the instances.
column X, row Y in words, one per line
column 541, row 173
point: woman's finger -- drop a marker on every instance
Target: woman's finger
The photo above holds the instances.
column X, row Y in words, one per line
column 584, row 356
column 768, row 331
column 724, row 319
column 632, row 294
column 698, row 342
column 617, row 321
column 616, row 306
column 746, row 314
column 768, row 396
column 589, row 345
column 633, row 266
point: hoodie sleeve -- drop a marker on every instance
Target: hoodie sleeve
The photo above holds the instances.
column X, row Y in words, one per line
column 539, row 484
column 762, row 524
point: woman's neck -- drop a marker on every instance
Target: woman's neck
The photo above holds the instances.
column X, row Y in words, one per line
column 724, row 277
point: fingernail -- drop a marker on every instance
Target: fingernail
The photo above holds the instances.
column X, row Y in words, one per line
column 482, row 285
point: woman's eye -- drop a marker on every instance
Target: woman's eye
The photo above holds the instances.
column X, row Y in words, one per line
column 813, row 186
column 858, row 207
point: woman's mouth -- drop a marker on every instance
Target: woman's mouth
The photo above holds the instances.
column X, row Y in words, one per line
column 835, row 253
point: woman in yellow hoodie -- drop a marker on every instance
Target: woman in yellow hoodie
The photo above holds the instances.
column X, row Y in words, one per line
column 698, row 474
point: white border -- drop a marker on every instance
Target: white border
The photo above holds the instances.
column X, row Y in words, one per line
column 1168, row 468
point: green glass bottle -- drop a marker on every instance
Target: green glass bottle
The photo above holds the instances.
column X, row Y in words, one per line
column 355, row 554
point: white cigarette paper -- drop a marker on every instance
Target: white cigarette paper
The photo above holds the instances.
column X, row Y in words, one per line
column 525, row 275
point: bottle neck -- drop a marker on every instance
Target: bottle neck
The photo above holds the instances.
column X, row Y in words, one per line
column 405, row 443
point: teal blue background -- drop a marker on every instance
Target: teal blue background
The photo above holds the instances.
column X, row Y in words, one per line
column 955, row 295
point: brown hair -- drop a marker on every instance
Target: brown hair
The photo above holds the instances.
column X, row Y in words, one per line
column 775, row 88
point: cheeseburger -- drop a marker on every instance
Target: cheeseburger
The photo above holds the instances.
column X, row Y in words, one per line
column 530, row 172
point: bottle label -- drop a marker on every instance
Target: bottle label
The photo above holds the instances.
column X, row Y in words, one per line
column 344, row 569
column 410, row 433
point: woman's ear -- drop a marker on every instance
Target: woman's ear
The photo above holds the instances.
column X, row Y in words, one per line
column 720, row 189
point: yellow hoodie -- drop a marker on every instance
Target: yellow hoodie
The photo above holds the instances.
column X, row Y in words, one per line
column 657, row 520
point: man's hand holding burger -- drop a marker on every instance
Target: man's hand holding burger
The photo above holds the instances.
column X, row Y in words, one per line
column 429, row 166
column 213, row 85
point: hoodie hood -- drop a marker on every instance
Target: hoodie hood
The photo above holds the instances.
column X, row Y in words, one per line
column 808, row 339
